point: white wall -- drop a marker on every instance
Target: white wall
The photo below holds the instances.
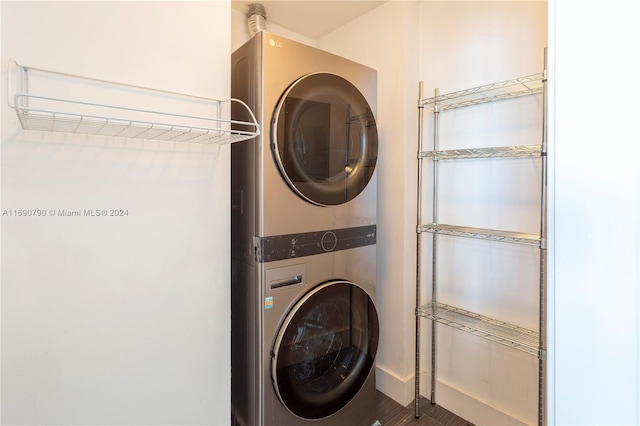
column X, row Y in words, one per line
column 116, row 320
column 595, row 180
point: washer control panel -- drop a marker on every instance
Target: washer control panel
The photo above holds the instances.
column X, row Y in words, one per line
column 279, row 247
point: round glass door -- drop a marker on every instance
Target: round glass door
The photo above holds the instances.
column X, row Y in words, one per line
column 324, row 139
column 325, row 349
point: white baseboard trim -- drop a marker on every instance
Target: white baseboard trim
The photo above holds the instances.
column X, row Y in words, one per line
column 400, row 389
column 479, row 412
column 467, row 406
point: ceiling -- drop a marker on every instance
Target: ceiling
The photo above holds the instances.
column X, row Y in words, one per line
column 311, row 18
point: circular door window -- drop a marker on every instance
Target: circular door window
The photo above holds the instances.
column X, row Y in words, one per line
column 324, row 139
column 325, row 349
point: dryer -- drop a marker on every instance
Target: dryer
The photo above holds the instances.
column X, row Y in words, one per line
column 304, row 322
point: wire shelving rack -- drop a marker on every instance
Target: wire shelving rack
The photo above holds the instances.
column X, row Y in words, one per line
column 529, row 341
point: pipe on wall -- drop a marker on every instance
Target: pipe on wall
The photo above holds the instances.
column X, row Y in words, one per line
column 256, row 18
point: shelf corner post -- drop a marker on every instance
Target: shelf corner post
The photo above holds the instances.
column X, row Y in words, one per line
column 418, row 254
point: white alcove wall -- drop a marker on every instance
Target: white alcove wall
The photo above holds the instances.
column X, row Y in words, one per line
column 116, row 320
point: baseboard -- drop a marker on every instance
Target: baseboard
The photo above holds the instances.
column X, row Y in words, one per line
column 400, row 389
column 469, row 407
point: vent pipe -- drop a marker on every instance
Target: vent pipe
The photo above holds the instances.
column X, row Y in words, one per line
column 256, row 18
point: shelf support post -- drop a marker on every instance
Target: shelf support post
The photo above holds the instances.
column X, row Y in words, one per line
column 542, row 361
column 434, row 260
column 418, row 255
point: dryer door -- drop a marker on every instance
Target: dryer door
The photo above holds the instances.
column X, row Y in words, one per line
column 324, row 139
column 325, row 349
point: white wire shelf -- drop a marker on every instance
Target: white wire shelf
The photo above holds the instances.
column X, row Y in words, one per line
column 54, row 114
column 492, row 152
column 479, row 325
column 482, row 234
column 508, row 89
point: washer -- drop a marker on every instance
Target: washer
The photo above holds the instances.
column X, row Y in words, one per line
column 304, row 322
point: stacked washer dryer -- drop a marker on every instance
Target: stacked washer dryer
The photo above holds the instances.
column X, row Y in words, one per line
column 304, row 322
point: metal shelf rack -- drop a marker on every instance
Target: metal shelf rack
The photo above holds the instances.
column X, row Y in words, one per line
column 55, row 114
column 529, row 341
column 493, row 152
column 488, row 328
column 508, row 89
column 482, row 234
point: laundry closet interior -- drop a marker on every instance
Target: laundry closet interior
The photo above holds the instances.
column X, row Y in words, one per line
column 451, row 47
column 382, row 208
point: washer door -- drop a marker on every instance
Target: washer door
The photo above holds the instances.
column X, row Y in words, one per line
column 324, row 139
column 325, row 349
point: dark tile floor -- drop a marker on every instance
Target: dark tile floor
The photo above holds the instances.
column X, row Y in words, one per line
column 390, row 413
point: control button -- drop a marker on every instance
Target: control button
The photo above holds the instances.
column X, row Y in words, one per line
column 329, row 241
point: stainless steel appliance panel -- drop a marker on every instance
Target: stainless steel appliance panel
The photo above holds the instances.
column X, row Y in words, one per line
column 284, row 246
